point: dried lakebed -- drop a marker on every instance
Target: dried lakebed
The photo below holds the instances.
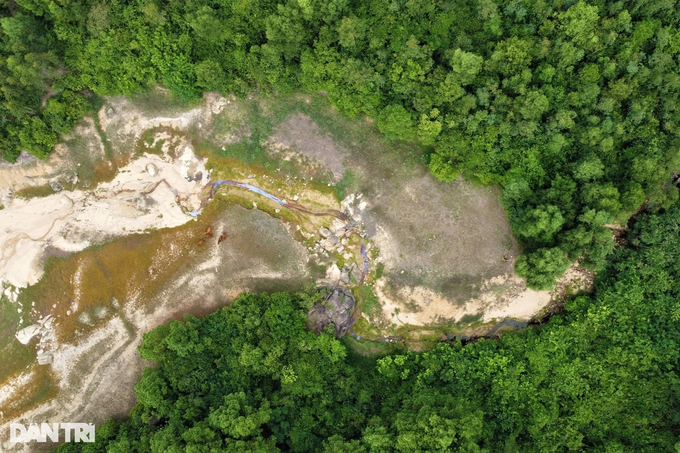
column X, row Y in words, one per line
column 128, row 253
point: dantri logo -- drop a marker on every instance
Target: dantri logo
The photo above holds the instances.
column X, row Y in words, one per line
column 82, row 432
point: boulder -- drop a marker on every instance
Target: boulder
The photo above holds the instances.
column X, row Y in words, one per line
column 101, row 312
column 335, row 308
column 347, row 202
column 56, row 186
column 354, row 271
column 7, row 199
column 27, row 333
column 45, row 358
column 325, row 232
column 333, row 273
column 337, row 225
column 151, row 169
column 327, row 245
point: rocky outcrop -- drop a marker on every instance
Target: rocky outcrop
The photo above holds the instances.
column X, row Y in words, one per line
column 26, row 334
column 336, row 309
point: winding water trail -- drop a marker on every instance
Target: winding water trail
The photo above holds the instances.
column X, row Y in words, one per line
column 250, row 187
column 333, row 213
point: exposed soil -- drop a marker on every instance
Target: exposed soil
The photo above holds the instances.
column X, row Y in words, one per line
column 445, row 251
column 96, row 366
column 300, row 134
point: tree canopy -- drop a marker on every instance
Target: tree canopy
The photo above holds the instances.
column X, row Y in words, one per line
column 575, row 101
column 601, row 377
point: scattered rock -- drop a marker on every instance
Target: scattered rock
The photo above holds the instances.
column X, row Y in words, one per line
column 151, row 169
column 56, row 186
column 335, row 309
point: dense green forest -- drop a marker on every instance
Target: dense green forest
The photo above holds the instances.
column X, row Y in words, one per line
column 602, row 377
column 571, row 106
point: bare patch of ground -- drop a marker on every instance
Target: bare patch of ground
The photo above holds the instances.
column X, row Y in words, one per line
column 300, row 134
column 447, row 250
column 448, row 237
column 70, row 221
column 444, row 252
column 96, row 364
